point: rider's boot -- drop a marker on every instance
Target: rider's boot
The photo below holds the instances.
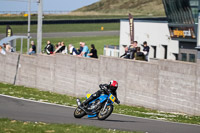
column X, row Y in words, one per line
column 85, row 103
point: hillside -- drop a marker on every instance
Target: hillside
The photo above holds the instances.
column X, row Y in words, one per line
column 123, row 7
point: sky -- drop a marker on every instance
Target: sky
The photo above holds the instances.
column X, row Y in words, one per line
column 48, row 5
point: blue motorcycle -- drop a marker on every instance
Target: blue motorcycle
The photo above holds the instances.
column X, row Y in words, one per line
column 101, row 107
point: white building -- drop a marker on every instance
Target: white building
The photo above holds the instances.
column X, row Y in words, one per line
column 157, row 35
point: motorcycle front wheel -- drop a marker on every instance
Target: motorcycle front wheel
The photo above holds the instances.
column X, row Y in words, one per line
column 103, row 114
column 79, row 113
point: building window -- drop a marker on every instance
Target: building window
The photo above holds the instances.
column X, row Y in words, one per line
column 191, row 57
column 184, row 56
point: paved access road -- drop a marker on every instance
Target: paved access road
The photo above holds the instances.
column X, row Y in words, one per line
column 70, row 34
column 26, row 110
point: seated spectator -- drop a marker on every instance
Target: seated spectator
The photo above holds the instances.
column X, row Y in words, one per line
column 32, row 50
column 8, row 48
column 72, row 50
column 85, row 50
column 2, row 51
column 61, row 48
column 49, row 48
column 80, row 49
column 56, row 46
column 93, row 52
column 139, row 55
column 126, row 55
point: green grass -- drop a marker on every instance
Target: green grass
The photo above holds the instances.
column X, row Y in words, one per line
column 98, row 41
column 35, row 94
column 63, row 27
column 13, row 126
column 61, row 17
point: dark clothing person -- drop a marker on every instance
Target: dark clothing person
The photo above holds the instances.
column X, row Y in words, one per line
column 80, row 50
column 126, row 55
column 60, row 49
column 146, row 52
column 94, row 53
column 34, row 48
column 139, row 56
column 104, row 89
column 132, row 51
column 49, row 49
column 146, row 48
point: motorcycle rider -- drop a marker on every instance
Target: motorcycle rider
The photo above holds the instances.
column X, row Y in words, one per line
column 104, row 89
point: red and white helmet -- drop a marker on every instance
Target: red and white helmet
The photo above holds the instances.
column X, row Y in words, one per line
column 113, row 85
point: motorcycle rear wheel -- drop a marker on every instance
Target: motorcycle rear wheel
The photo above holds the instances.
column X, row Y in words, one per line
column 79, row 113
column 102, row 115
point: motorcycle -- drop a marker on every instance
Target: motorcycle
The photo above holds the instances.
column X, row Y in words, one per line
column 101, row 107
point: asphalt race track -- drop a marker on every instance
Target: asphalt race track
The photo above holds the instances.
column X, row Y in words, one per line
column 69, row 34
column 27, row 110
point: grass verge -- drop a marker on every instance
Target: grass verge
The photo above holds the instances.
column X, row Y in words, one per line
column 13, row 17
column 35, row 94
column 98, row 41
column 13, row 126
column 63, row 27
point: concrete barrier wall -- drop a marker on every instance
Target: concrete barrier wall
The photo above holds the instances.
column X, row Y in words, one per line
column 177, row 86
column 197, row 92
column 2, row 67
column 164, row 85
column 8, row 66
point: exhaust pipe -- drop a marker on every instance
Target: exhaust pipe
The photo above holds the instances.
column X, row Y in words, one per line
column 78, row 101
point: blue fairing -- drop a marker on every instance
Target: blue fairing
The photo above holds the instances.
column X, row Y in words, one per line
column 102, row 98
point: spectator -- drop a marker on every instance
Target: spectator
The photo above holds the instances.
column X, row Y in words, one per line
column 2, row 51
column 72, row 50
column 59, row 43
column 139, row 55
column 85, row 50
column 126, row 55
column 146, row 50
column 8, row 48
column 93, row 52
column 56, row 46
column 49, row 48
column 60, row 49
column 132, row 49
column 80, row 49
column 32, row 50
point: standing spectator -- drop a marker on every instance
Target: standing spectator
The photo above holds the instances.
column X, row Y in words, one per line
column 139, row 55
column 132, row 49
column 72, row 50
column 85, row 50
column 2, row 51
column 49, row 48
column 146, row 51
column 32, row 50
column 93, row 52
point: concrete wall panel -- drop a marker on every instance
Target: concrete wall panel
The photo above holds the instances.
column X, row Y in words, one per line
column 2, row 67
column 177, row 84
column 27, row 71
column 141, row 84
column 87, row 76
column 45, row 72
column 10, row 67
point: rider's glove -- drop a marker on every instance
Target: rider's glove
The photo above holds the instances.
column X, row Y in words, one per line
column 117, row 101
